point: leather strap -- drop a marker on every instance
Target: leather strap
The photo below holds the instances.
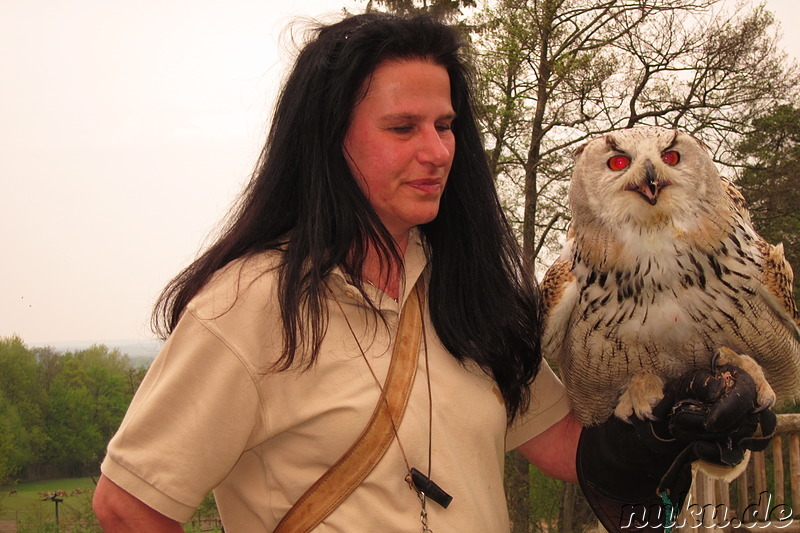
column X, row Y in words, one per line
column 329, row 491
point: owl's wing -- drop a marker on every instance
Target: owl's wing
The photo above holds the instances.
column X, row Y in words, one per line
column 777, row 278
column 776, row 272
column 555, row 282
column 736, row 196
column 559, row 295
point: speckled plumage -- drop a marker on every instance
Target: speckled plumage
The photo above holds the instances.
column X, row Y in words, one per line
column 661, row 269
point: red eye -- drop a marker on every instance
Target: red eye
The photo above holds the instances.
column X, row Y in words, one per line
column 619, row 162
column 671, row 158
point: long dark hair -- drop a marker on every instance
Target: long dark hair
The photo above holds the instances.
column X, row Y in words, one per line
column 304, row 201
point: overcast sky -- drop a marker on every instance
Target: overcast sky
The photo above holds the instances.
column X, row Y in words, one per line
column 126, row 131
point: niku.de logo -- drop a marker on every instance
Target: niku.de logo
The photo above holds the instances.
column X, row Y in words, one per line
column 698, row 516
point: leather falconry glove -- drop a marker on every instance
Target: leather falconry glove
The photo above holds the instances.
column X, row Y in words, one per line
column 636, row 475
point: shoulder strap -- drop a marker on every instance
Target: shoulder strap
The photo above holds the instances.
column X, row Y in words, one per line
column 349, row 471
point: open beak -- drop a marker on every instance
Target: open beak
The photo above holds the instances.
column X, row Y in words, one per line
column 651, row 187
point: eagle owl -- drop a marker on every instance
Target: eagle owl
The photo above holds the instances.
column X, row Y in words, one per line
column 662, row 271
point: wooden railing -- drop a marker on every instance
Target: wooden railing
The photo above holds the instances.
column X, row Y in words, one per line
column 766, row 497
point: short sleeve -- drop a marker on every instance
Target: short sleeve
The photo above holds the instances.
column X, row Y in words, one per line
column 549, row 404
column 195, row 413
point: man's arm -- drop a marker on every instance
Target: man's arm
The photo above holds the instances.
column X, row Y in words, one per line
column 118, row 511
column 553, row 451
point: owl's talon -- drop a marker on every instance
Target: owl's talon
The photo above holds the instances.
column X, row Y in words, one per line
column 766, row 396
column 624, row 409
column 641, row 395
column 652, row 417
column 764, row 406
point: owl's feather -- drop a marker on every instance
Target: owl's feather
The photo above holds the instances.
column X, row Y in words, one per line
column 662, row 268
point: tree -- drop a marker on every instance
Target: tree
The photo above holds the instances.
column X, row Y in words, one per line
column 14, row 441
column 58, row 411
column 23, row 397
column 445, row 9
column 770, row 179
column 75, row 443
column 107, row 378
column 88, row 397
column 557, row 72
column 19, row 379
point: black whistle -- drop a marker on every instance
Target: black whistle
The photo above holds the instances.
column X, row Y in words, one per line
column 430, row 489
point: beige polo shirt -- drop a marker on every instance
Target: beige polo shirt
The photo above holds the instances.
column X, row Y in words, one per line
column 209, row 417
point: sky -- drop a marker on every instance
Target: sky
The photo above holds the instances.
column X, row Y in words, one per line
column 127, row 129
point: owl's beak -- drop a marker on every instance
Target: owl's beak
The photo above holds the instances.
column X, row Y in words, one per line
column 651, row 187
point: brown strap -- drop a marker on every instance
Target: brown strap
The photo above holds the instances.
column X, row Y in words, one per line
column 349, row 471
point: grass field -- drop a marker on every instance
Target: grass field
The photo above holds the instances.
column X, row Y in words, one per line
column 34, row 514
column 27, row 501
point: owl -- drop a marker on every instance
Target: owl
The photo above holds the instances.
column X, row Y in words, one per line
column 661, row 273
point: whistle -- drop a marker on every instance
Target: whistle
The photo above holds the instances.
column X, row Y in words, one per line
column 431, row 490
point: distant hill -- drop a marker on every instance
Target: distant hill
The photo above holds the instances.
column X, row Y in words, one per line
column 141, row 351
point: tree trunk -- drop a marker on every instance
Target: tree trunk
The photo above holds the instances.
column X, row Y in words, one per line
column 518, row 486
column 567, row 518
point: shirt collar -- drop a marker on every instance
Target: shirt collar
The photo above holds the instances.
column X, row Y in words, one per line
column 414, row 262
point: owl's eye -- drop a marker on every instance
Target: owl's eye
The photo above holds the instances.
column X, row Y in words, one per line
column 671, row 158
column 619, row 162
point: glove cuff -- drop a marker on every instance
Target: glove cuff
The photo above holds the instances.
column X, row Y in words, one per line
column 620, row 474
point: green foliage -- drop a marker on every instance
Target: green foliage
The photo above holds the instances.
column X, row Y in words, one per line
column 58, row 411
column 14, row 438
column 544, row 501
column 20, row 408
column 206, row 517
column 19, row 379
column 208, row 507
column 770, row 179
column 75, row 440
